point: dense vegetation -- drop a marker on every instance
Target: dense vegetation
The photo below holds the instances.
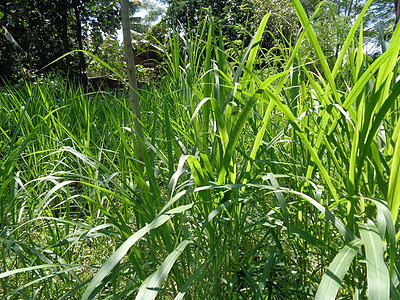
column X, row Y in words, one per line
column 264, row 176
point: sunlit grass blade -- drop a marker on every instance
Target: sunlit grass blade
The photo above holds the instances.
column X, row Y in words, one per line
column 386, row 73
column 40, row 279
column 375, row 66
column 386, row 224
column 27, row 269
column 116, row 257
column 251, row 157
column 343, row 229
column 255, row 44
column 153, row 283
column 292, row 119
column 349, row 39
column 394, row 181
column 332, row 279
column 377, row 272
column 305, row 22
column 237, row 130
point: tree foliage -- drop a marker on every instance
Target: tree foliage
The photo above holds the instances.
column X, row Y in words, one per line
column 237, row 18
column 47, row 29
column 332, row 20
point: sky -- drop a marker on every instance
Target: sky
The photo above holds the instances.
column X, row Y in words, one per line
column 140, row 13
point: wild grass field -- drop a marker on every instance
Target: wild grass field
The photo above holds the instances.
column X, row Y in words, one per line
column 263, row 177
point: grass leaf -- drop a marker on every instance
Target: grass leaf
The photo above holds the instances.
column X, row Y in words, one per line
column 116, row 257
column 377, row 272
column 153, row 283
column 330, row 283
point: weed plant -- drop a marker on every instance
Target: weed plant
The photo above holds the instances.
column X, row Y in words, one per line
column 274, row 182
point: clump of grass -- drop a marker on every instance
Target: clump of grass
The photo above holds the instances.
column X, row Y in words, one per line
column 276, row 182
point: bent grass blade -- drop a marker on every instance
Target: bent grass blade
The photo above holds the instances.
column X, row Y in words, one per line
column 330, row 283
column 116, row 257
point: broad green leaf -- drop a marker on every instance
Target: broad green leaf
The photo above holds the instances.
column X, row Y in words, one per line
column 149, row 289
column 363, row 81
column 394, row 182
column 330, row 283
column 386, row 71
column 44, row 266
column 377, row 272
column 255, row 43
column 386, row 223
column 349, row 39
column 116, row 257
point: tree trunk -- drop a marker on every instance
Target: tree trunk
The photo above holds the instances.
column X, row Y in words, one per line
column 397, row 12
column 63, row 9
column 133, row 87
column 82, row 63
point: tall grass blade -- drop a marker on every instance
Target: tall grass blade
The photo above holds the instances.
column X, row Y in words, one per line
column 153, row 283
column 394, row 182
column 238, row 128
column 313, row 151
column 349, row 39
column 385, row 224
column 116, row 257
column 183, row 291
column 255, row 44
column 377, row 272
column 305, row 22
column 331, row 281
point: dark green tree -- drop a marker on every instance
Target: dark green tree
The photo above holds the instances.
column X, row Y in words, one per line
column 47, row 29
column 237, row 18
column 229, row 14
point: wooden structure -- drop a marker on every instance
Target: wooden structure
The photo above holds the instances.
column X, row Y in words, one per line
column 147, row 54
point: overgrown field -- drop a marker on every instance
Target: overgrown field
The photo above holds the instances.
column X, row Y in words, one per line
column 264, row 177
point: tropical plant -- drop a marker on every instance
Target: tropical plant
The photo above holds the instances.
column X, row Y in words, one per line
column 258, row 180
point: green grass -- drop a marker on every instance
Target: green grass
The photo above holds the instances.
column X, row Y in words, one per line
column 257, row 183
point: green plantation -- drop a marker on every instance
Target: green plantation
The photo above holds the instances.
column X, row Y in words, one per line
column 265, row 175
